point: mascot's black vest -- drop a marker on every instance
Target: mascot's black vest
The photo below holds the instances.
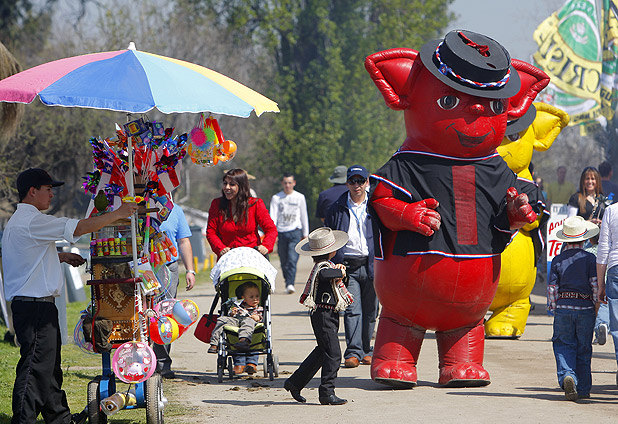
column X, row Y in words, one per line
column 472, row 196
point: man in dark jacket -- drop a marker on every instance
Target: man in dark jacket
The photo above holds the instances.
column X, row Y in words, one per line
column 330, row 195
column 349, row 214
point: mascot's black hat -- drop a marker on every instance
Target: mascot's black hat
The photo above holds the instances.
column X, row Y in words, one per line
column 471, row 63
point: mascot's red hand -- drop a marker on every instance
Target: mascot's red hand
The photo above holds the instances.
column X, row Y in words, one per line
column 398, row 215
column 518, row 209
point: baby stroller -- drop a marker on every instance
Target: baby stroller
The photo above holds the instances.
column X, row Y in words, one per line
column 233, row 269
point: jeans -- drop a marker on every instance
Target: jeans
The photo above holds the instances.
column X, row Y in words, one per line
column 611, row 291
column 360, row 317
column 246, row 359
column 287, row 254
column 602, row 317
column 572, row 341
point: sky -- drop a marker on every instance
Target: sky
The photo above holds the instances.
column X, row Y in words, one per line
column 509, row 22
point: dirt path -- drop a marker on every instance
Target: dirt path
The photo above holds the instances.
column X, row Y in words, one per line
column 523, row 387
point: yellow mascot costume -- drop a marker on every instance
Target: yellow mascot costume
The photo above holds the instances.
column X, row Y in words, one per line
column 511, row 305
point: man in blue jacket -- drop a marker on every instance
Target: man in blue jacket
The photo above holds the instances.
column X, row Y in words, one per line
column 349, row 214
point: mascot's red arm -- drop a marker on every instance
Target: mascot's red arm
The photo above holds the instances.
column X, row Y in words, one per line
column 533, row 80
column 518, row 209
column 398, row 215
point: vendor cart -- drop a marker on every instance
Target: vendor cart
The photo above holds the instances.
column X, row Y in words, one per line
column 118, row 300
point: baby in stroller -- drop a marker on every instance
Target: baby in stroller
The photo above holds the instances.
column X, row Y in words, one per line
column 244, row 312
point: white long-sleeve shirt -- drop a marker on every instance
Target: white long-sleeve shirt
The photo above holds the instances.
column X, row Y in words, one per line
column 29, row 256
column 289, row 212
column 607, row 252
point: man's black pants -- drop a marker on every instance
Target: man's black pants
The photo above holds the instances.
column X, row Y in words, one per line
column 326, row 355
column 38, row 380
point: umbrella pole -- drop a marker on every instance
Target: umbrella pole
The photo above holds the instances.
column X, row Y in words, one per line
column 138, row 291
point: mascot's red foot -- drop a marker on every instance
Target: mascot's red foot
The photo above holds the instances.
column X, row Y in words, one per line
column 395, row 353
column 461, row 357
column 467, row 374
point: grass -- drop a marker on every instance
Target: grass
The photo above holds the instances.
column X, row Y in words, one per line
column 78, row 369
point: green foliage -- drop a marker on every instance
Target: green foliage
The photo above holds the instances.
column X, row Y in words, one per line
column 56, row 139
column 331, row 113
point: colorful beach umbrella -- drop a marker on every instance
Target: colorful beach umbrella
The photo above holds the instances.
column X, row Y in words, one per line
column 136, row 82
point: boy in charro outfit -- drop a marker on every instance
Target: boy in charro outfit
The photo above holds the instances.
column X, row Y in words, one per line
column 572, row 294
column 325, row 295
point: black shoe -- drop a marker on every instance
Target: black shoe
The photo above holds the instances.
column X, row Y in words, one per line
column 168, row 374
column 294, row 391
column 332, row 400
column 242, row 345
column 80, row 418
column 212, row 349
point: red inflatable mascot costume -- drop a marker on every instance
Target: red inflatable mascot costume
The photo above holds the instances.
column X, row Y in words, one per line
column 446, row 203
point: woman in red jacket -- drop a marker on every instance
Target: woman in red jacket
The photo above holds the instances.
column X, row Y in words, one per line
column 233, row 218
column 233, row 221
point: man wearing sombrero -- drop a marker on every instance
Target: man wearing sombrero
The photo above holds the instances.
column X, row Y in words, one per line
column 572, row 294
column 446, row 203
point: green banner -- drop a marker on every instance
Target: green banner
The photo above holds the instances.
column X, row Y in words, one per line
column 577, row 49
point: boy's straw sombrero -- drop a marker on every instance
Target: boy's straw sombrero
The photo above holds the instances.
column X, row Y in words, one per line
column 576, row 228
column 322, row 241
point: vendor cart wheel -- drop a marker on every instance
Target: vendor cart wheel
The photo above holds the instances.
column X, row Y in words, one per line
column 220, row 368
column 230, row 367
column 155, row 401
column 95, row 415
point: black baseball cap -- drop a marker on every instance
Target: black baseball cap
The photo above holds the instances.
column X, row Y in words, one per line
column 35, row 177
column 358, row 170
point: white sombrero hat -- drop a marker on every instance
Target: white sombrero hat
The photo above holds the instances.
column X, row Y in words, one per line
column 322, row 241
column 577, row 229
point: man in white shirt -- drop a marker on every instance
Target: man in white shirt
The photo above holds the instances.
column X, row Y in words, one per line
column 288, row 210
column 33, row 278
column 607, row 269
column 349, row 214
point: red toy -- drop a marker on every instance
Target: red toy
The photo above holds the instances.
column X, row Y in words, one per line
column 447, row 204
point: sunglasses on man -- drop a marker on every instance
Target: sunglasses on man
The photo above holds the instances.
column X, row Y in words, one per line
column 359, row 181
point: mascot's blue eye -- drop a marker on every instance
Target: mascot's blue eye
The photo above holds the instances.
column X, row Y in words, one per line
column 448, row 102
column 497, row 106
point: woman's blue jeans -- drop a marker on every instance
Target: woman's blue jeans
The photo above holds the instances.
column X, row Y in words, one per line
column 611, row 291
column 572, row 341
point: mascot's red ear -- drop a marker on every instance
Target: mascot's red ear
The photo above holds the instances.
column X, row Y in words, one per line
column 533, row 80
column 391, row 73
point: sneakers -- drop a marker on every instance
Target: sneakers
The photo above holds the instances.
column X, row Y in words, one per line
column 570, row 391
column 602, row 334
column 212, row 349
column 289, row 289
